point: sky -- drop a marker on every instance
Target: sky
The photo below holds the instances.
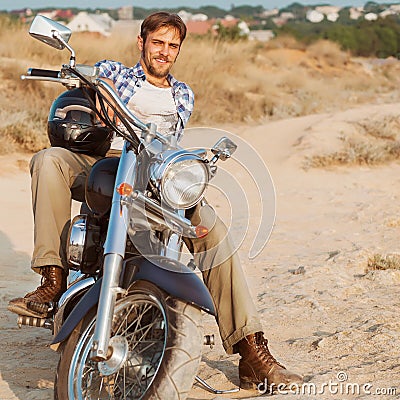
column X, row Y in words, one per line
column 226, row 4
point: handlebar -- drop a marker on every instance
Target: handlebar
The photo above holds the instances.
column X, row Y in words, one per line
column 127, row 114
column 48, row 73
column 73, row 78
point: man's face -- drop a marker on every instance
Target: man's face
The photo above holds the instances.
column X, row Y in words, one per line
column 160, row 51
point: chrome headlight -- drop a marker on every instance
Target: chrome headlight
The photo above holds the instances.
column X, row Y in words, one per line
column 181, row 179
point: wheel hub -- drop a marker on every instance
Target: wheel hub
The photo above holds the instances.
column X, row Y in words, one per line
column 119, row 348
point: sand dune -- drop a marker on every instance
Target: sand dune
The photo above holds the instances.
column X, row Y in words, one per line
column 326, row 318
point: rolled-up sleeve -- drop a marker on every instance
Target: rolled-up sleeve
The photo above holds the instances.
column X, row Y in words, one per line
column 109, row 69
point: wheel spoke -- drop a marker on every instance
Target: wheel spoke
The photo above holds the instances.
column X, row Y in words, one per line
column 137, row 320
column 141, row 320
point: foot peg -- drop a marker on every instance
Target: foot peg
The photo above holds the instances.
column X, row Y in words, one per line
column 209, row 341
column 212, row 390
column 33, row 321
column 191, row 264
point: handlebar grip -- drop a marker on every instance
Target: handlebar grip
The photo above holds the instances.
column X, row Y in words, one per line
column 48, row 73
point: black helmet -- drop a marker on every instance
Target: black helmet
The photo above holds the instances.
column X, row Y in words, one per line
column 73, row 124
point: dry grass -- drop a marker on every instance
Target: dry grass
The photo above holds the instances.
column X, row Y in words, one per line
column 24, row 109
column 356, row 153
column 393, row 223
column 377, row 142
column 328, row 53
column 233, row 82
column 385, row 128
column 383, row 262
column 284, row 42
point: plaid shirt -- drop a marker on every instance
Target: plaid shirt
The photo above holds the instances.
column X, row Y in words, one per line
column 128, row 80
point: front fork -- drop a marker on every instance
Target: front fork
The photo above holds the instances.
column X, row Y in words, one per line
column 114, row 250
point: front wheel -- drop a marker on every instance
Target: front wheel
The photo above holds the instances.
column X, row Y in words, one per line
column 162, row 338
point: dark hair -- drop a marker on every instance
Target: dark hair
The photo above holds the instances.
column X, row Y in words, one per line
column 162, row 19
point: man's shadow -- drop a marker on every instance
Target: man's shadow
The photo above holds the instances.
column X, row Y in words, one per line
column 27, row 364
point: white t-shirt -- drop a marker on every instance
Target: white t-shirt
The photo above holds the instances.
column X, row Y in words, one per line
column 152, row 104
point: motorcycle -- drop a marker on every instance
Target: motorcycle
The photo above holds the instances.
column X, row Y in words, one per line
column 129, row 324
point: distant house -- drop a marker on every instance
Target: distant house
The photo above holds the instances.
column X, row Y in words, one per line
column 261, row 35
column 126, row 27
column 356, row 12
column 283, row 18
column 269, row 13
column 25, row 12
column 328, row 9
column 97, row 23
column 211, row 26
column 64, row 14
column 386, row 13
column 199, row 27
column 332, row 17
column 47, row 14
column 331, row 12
column 125, row 13
column 371, row 16
column 315, row 16
column 287, row 15
column 187, row 16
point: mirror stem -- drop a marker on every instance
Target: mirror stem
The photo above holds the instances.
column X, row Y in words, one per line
column 214, row 160
column 72, row 60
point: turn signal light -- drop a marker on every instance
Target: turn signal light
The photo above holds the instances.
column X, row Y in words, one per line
column 125, row 189
column 201, row 231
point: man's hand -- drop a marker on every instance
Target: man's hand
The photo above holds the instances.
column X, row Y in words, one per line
column 110, row 112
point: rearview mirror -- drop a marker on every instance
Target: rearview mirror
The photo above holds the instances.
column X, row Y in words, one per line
column 50, row 32
column 224, row 148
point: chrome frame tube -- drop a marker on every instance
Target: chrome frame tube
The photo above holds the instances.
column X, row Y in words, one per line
column 108, row 294
column 119, row 216
column 162, row 215
column 114, row 251
column 173, row 246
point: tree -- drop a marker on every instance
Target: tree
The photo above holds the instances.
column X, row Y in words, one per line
column 244, row 12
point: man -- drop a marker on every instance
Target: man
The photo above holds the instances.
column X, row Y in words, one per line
column 153, row 95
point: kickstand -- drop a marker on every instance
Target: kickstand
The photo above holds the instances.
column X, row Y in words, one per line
column 212, row 390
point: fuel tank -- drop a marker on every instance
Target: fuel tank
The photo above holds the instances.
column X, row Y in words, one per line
column 100, row 185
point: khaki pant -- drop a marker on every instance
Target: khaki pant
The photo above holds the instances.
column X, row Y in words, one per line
column 59, row 175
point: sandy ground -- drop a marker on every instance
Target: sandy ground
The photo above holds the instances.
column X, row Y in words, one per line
column 329, row 320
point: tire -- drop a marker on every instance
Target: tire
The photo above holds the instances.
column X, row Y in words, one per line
column 163, row 369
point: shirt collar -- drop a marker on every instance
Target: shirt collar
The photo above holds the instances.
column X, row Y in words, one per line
column 138, row 71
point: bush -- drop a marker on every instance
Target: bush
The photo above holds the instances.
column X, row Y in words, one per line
column 363, row 38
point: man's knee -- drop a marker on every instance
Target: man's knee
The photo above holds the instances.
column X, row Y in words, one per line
column 48, row 158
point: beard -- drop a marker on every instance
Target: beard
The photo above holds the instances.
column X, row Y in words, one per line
column 160, row 72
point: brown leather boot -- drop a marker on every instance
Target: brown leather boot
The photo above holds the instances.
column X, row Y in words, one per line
column 39, row 302
column 257, row 365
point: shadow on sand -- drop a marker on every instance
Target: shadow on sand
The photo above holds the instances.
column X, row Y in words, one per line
column 27, row 364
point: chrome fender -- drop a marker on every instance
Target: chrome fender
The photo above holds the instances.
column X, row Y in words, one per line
column 74, row 291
